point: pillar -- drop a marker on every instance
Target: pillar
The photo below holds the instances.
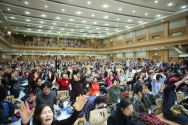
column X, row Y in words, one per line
column 147, row 55
column 12, row 39
column 58, row 41
column 124, row 56
column 187, row 25
column 114, row 41
column 134, row 55
column 166, row 29
column 124, row 39
column 147, row 33
column 33, row 39
column 134, row 36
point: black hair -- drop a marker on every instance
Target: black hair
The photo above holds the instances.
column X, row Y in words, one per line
column 38, row 79
column 124, row 103
column 38, row 111
column 177, row 75
column 158, row 76
column 100, row 99
column 47, row 84
column 139, row 87
column 115, row 79
column 62, row 74
column 7, row 75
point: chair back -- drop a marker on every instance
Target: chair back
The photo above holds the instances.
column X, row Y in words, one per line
column 80, row 121
column 10, row 98
column 65, row 94
column 98, row 117
column 130, row 95
column 130, row 87
column 180, row 97
column 108, row 97
column 159, row 103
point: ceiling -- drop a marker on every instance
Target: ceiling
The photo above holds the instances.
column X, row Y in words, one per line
column 85, row 19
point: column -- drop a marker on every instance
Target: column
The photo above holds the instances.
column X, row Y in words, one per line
column 147, row 34
column 1, row 55
column 114, row 41
column 1, row 32
column 147, row 55
column 134, row 55
column 33, row 39
column 187, row 25
column 166, row 29
column 134, row 36
column 58, row 41
column 124, row 39
column 124, row 56
column 12, row 39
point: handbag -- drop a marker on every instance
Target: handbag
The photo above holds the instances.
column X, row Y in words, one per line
column 124, row 95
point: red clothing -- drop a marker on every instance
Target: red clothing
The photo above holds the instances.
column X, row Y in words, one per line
column 63, row 83
column 144, row 70
column 32, row 77
column 95, row 89
column 101, row 75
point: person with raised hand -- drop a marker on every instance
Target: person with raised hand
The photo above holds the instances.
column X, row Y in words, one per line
column 170, row 99
column 143, row 100
column 44, row 113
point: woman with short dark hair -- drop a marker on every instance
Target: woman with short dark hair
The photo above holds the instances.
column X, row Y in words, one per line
column 44, row 114
column 122, row 115
column 46, row 95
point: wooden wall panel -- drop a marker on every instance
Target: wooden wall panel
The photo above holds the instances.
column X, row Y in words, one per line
column 161, row 54
column 140, row 37
column 161, row 34
column 182, row 29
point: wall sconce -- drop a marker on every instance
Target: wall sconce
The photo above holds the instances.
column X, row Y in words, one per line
column 155, row 54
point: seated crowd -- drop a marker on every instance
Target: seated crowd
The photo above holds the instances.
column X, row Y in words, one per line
column 127, row 89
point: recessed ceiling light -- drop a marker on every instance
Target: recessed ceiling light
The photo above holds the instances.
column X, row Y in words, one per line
column 183, row 7
column 170, row 4
column 84, row 34
column 92, row 15
column 162, row 20
column 46, row 6
column 16, row 33
column 88, row 2
column 83, row 21
column 143, row 49
column 49, row 31
column 67, row 33
column 41, row 22
column 27, row 20
column 58, row 17
column 129, row 20
column 156, row 1
column 44, row 15
column 106, row 29
column 5, row 27
column 39, row 30
column 128, row 30
column 126, row 26
column 133, row 11
column 78, row 12
column 72, row 30
column 155, row 48
column 26, row 2
column 117, row 18
column 106, row 17
column 120, row 9
column 27, row 12
column 140, row 21
column 95, row 22
column 62, row 29
column 87, row 27
column 28, row 29
column 51, row 28
column 142, row 26
column 12, row 17
column 63, row 9
column 58, row 32
column 71, row 20
column 97, row 28
column 116, row 25
column 40, row 26
column 158, row 15
column 28, row 25
column 146, row 14
column 76, row 26
column 28, row 33
column 65, row 25
column 81, row 31
column 106, row 24
column 105, row 6
column 8, row 9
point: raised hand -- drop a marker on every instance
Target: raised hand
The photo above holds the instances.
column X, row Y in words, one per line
column 162, row 87
column 32, row 97
column 36, row 74
column 79, row 104
column 139, row 96
column 125, row 82
column 185, row 78
column 25, row 112
column 60, row 95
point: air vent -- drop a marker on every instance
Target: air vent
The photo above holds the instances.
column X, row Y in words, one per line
column 20, row 1
column 53, row 7
column 21, row 11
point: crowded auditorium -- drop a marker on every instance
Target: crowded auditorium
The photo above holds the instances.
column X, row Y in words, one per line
column 93, row 62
